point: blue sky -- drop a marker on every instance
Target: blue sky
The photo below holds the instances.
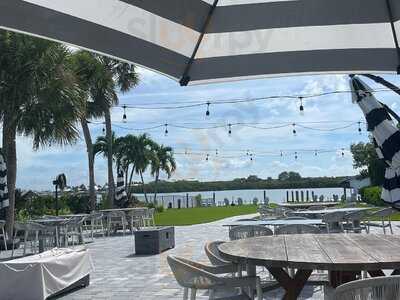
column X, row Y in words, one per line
column 36, row 170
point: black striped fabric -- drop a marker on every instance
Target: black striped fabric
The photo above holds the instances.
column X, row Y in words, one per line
column 3, row 183
column 386, row 139
column 251, row 39
column 120, row 193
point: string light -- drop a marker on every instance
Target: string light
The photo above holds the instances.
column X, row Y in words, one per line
column 281, row 153
column 230, row 129
column 295, row 156
column 315, row 153
column 216, row 152
column 251, row 156
column 301, row 106
column 342, row 152
column 124, row 116
column 51, row 121
column 208, row 109
column 166, row 129
column 207, row 157
column 104, row 130
column 359, row 128
column 294, row 129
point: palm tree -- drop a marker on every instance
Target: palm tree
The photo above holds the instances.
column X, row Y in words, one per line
column 163, row 160
column 88, row 71
column 102, row 78
column 39, row 98
column 117, row 76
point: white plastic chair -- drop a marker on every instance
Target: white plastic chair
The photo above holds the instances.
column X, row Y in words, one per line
column 195, row 276
column 246, row 231
column 378, row 288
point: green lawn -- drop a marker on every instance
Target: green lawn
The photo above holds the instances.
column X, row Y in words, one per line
column 198, row 215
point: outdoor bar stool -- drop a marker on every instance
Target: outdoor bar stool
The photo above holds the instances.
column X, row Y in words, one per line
column 3, row 233
column 148, row 219
column 116, row 219
column 94, row 223
column 31, row 232
column 135, row 218
column 73, row 228
column 385, row 216
column 246, row 231
column 377, row 288
column 195, row 276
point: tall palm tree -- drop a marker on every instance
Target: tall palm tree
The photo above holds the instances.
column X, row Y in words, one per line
column 88, row 71
column 39, row 98
column 102, row 78
column 118, row 77
column 162, row 160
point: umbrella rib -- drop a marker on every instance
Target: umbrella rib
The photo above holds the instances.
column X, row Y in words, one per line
column 396, row 41
column 185, row 77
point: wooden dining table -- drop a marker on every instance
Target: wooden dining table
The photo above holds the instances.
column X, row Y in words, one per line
column 344, row 256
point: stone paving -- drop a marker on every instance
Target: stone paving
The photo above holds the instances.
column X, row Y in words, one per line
column 121, row 275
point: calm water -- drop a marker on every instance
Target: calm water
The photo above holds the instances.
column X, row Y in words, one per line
column 277, row 196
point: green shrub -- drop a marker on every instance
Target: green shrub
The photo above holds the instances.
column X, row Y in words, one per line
column 160, row 209
column 372, row 195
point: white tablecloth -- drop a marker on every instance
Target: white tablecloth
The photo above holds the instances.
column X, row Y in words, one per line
column 40, row 276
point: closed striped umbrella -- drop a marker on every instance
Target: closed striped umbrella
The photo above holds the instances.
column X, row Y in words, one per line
column 386, row 138
column 201, row 41
column 120, row 193
column 3, row 183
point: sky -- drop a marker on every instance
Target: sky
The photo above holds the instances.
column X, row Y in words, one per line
column 37, row 169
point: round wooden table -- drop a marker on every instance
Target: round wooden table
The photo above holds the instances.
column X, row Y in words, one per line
column 343, row 255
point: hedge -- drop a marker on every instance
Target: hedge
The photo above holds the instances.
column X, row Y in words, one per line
column 372, row 195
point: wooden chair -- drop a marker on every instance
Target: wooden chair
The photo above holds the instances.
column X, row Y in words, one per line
column 297, row 229
column 378, row 288
column 246, row 231
column 385, row 216
column 195, row 276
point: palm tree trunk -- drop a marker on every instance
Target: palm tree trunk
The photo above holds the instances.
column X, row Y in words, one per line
column 155, row 186
column 130, row 182
column 10, row 151
column 144, row 190
column 89, row 147
column 126, row 170
column 111, row 184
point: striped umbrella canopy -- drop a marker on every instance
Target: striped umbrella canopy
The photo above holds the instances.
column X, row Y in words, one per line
column 3, row 183
column 386, row 137
column 202, row 41
column 120, row 193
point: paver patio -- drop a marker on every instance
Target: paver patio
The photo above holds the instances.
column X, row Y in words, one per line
column 120, row 274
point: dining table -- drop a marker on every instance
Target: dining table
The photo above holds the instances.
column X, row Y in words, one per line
column 276, row 222
column 344, row 256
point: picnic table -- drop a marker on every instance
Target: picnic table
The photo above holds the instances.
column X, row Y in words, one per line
column 344, row 256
